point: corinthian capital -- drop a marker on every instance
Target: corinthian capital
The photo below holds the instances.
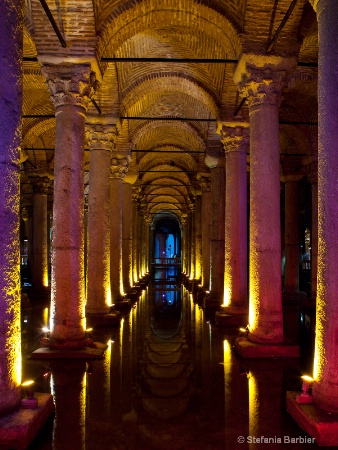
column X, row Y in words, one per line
column 262, row 86
column 69, row 84
column 101, row 136
column 119, row 168
column 235, row 139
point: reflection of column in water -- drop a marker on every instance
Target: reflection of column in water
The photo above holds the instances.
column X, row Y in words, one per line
column 253, row 409
column 68, row 387
column 126, row 364
column 98, row 386
column 265, row 400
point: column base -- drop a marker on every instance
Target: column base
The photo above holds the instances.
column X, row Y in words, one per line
column 248, row 349
column 321, row 425
column 223, row 319
column 85, row 353
column 103, row 320
column 19, row 429
column 212, row 301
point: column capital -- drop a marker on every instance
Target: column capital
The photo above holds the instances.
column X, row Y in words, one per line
column 119, row 168
column 101, row 136
column 235, row 138
column 205, row 182
column 262, row 85
column 70, row 84
column 41, row 185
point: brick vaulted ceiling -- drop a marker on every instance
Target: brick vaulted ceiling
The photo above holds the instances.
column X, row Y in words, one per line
column 168, row 154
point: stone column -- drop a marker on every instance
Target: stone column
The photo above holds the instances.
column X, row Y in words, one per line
column 217, row 230
column 236, row 143
column 127, row 225
column 11, row 17
column 118, row 168
column 325, row 388
column 262, row 88
column 292, row 245
column 312, row 175
column 69, row 85
column 192, row 242
column 198, row 237
column 40, row 231
column 100, row 138
column 206, row 221
column 134, row 239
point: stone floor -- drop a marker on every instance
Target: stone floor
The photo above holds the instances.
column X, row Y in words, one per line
column 169, row 380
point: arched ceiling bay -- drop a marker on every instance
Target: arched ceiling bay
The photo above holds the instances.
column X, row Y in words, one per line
column 166, row 107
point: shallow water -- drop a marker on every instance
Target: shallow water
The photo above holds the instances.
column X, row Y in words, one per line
column 169, row 380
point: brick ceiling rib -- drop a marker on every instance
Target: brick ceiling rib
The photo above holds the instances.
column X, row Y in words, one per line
column 160, row 91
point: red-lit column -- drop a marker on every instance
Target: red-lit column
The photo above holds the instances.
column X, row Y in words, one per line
column 118, row 169
column 100, row 139
column 69, row 85
column 236, row 143
column 40, row 232
column 206, row 220
column 262, row 88
column 11, row 16
column 325, row 389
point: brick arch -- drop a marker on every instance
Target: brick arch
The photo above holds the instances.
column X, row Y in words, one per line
column 177, row 83
column 134, row 17
column 180, row 135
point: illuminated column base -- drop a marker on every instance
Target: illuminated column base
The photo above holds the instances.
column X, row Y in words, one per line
column 319, row 424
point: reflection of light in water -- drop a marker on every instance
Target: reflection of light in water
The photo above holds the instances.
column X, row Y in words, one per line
column 253, row 407
column 45, row 315
column 227, row 372
column 198, row 324
column 106, row 376
column 82, row 401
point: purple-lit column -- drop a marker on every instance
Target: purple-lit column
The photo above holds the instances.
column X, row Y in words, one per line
column 236, row 144
column 206, row 220
column 70, row 94
column 40, row 232
column 325, row 389
column 262, row 88
column 118, row 169
column 11, row 16
column 198, row 236
column 100, row 139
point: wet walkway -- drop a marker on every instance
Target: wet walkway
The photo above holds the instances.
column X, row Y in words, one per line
column 169, row 380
